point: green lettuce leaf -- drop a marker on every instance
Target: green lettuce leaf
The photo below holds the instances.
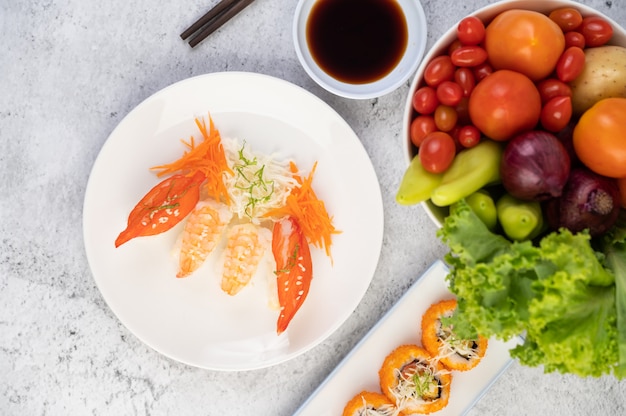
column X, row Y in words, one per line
column 614, row 248
column 556, row 294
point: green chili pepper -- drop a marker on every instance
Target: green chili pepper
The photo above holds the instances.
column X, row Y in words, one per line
column 417, row 184
column 483, row 206
column 471, row 170
column 520, row 220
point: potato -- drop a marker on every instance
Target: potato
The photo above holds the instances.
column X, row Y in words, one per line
column 604, row 76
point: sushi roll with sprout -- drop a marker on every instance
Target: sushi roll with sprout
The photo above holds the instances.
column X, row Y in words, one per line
column 368, row 403
column 412, row 379
column 440, row 340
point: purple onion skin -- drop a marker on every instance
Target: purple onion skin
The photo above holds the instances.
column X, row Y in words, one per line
column 535, row 166
column 589, row 201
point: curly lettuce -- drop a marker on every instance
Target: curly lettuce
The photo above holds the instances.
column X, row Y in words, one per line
column 557, row 294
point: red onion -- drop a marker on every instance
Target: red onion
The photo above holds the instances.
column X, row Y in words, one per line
column 535, row 166
column 589, row 201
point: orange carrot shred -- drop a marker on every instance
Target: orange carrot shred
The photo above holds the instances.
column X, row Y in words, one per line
column 207, row 157
column 310, row 212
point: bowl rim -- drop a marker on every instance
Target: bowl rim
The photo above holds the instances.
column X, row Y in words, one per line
column 402, row 72
column 485, row 13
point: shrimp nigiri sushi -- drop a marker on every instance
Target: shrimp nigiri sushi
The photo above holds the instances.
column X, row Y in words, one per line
column 202, row 233
column 368, row 403
column 412, row 379
column 246, row 246
column 440, row 340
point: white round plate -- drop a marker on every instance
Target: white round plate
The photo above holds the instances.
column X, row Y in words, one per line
column 191, row 320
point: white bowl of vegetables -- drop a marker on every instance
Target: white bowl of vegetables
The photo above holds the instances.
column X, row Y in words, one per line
column 516, row 148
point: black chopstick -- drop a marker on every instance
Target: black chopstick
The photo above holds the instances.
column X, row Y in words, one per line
column 213, row 20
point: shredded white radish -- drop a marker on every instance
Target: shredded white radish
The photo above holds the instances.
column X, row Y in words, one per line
column 260, row 182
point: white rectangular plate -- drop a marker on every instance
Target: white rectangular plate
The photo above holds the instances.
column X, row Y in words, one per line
column 401, row 325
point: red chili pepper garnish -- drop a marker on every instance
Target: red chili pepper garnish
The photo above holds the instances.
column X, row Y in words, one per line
column 163, row 207
column 294, row 268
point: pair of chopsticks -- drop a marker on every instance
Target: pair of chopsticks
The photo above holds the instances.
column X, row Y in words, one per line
column 213, row 20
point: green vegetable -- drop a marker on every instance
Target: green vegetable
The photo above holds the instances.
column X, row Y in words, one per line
column 471, row 170
column 520, row 220
column 483, row 206
column 614, row 247
column 557, row 295
column 417, row 184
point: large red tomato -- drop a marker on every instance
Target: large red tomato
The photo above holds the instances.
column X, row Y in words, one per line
column 524, row 41
column 600, row 138
column 504, row 104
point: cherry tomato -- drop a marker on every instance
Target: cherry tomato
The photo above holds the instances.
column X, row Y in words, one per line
column 568, row 18
column 596, row 30
column 552, row 87
column 599, row 138
column 449, row 93
column 570, row 64
column 556, row 113
column 439, row 69
column 574, row 39
column 468, row 136
column 420, row 127
column 466, row 79
column 425, row 100
column 471, row 30
column 445, row 117
column 468, row 56
column 462, row 112
column 524, row 41
column 454, row 46
column 481, row 71
column 437, row 152
column 504, row 104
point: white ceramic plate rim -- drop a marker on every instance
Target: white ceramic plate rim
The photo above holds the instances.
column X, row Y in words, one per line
column 359, row 369
column 416, row 45
column 174, row 316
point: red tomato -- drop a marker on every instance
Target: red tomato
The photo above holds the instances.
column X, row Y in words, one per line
column 504, row 104
column 437, row 152
column 596, row 30
column 449, row 93
column 556, row 113
column 574, row 39
column 462, row 112
column 568, row 18
column 420, row 127
column 468, row 136
column 471, row 30
column 600, row 138
column 468, row 56
column 466, row 79
column 439, row 69
column 454, row 46
column 570, row 64
column 425, row 100
column 524, row 41
column 552, row 87
column 445, row 117
column 481, row 71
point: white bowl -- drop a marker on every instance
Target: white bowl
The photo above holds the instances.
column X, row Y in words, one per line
column 486, row 14
column 416, row 45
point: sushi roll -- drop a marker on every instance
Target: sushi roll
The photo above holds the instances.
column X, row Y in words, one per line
column 440, row 340
column 368, row 403
column 412, row 379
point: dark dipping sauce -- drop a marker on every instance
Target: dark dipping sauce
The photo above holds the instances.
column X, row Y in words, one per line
column 357, row 41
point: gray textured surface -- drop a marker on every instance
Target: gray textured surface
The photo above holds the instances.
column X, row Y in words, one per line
column 71, row 70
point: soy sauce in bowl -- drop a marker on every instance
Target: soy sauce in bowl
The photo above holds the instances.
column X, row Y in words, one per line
column 357, row 41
